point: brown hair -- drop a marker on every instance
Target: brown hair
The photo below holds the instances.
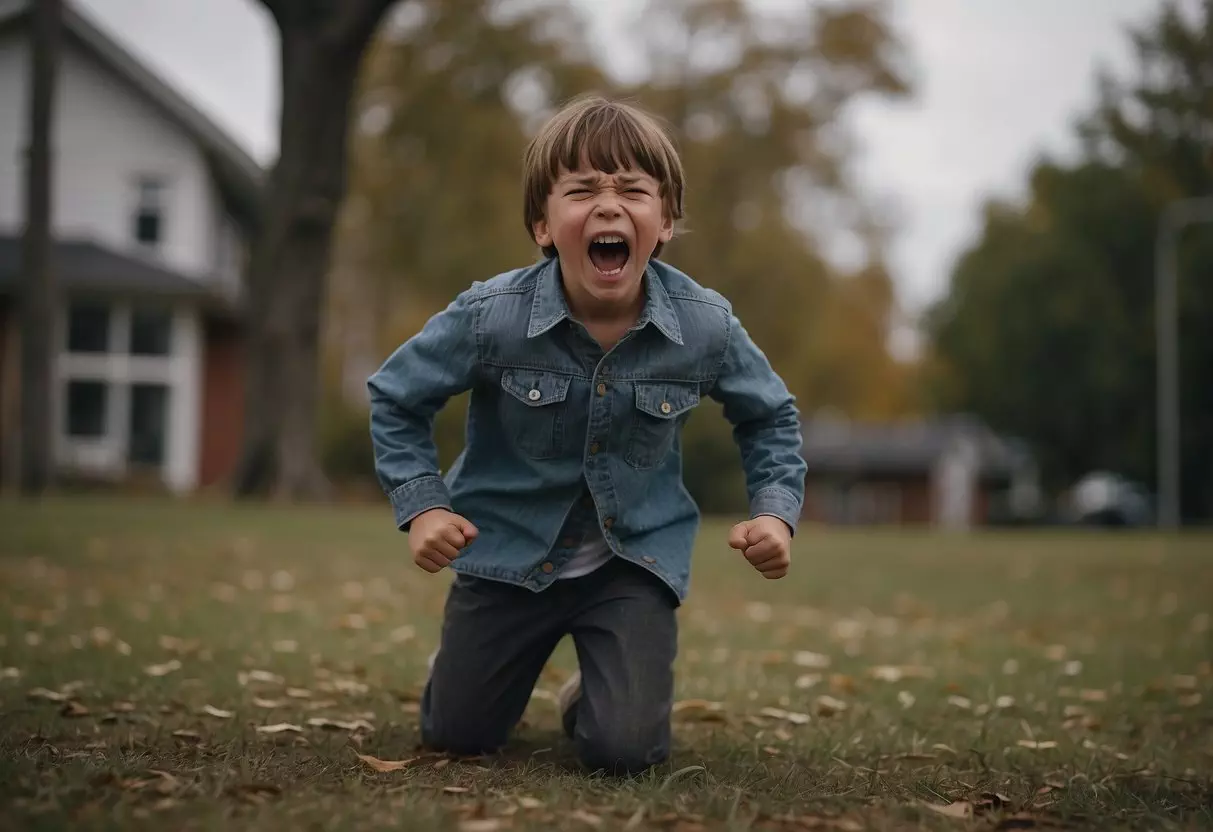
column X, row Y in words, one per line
column 611, row 135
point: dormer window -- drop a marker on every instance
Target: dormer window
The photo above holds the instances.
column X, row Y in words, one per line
column 149, row 211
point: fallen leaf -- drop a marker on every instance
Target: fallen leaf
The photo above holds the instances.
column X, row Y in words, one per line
column 268, row 703
column 341, row 724
column 829, row 706
column 73, row 709
column 1010, row 667
column 1184, row 682
column 441, row 764
column 841, row 683
column 1093, row 695
column 961, row 702
column 278, row 728
column 10, row 673
column 961, row 809
column 211, row 710
column 529, row 803
column 699, row 710
column 299, row 693
column 49, row 695
column 162, row 669
column 123, row 707
column 808, row 680
column 906, row 699
column 1004, row 702
column 585, row 817
column 481, row 825
column 456, row 789
column 1189, row 700
column 190, row 736
column 787, row 716
column 263, row 676
column 807, row 658
column 406, row 632
column 1072, row 668
column 385, row 765
column 1055, row 652
column 1037, row 745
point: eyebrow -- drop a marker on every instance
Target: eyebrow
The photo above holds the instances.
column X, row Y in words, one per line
column 624, row 179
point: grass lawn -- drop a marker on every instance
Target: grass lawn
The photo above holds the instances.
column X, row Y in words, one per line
column 177, row 666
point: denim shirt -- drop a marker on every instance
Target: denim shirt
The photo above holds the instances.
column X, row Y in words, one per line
column 564, row 440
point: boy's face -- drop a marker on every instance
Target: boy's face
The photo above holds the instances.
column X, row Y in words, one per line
column 605, row 228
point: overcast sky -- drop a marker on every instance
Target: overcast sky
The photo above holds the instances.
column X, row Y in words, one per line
column 997, row 81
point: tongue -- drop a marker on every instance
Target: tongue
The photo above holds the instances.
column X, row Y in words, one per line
column 607, row 257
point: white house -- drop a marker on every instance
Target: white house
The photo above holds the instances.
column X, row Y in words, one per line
column 151, row 207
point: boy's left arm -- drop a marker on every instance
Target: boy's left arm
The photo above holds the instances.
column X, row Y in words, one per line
column 766, row 427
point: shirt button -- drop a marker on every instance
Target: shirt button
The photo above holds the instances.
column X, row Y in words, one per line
column 547, row 567
column 601, row 389
column 593, row 447
column 534, row 395
column 665, row 406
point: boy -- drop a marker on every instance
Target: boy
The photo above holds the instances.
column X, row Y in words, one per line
column 566, row 512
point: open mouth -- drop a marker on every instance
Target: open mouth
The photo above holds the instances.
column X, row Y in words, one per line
column 609, row 253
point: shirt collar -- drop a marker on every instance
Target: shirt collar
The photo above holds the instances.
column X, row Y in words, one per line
column 549, row 306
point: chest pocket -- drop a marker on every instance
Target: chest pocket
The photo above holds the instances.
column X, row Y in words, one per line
column 661, row 407
column 533, row 410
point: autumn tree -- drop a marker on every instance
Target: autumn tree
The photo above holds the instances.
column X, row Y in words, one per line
column 1047, row 330
column 321, row 48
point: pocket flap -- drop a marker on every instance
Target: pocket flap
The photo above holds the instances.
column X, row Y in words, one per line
column 535, row 387
column 666, row 400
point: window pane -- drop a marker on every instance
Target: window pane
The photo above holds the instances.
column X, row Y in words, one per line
column 88, row 328
column 147, row 227
column 151, row 332
column 86, row 402
column 149, row 417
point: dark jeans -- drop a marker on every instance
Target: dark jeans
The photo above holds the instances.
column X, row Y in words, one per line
column 496, row 638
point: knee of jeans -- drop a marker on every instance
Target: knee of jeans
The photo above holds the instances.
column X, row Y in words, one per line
column 463, row 737
column 621, row 753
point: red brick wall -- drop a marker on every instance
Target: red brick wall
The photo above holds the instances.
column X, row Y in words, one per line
column 222, row 403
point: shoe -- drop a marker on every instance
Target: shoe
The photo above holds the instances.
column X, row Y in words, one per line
column 567, row 698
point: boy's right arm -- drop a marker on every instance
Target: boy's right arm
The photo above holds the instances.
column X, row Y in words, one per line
column 437, row 363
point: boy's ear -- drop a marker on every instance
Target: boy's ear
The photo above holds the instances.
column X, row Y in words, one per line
column 667, row 228
column 543, row 235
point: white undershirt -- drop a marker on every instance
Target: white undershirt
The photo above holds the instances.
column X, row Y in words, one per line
column 590, row 556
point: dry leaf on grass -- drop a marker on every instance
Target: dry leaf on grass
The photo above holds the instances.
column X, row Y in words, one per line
column 73, row 709
column 341, row 724
column 829, row 706
column 189, row 736
column 299, row 693
column 960, row 810
column 268, row 703
column 1037, row 745
column 808, row 680
column 585, row 817
column 701, row 710
column 162, row 669
column 809, row 659
column 455, row 789
column 262, row 676
column 279, row 728
column 962, row 702
column 529, row 803
column 255, row 793
column 787, row 716
column 481, row 825
column 48, row 695
column 384, row 766
column 10, row 673
column 217, row 713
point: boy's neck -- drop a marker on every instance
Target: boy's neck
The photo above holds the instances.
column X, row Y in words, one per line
column 593, row 312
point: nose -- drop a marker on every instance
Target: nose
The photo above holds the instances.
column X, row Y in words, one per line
column 607, row 207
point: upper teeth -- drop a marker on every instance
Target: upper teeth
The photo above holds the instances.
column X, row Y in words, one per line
column 608, row 238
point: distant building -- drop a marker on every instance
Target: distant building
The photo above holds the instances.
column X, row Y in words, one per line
column 951, row 472
column 152, row 207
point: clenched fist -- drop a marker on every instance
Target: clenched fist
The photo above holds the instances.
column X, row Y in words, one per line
column 436, row 536
column 766, row 543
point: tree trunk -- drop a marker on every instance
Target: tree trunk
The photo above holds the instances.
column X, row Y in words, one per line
column 39, row 290
column 291, row 255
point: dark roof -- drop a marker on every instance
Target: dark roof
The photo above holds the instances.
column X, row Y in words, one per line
column 83, row 266
column 237, row 174
column 834, row 445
